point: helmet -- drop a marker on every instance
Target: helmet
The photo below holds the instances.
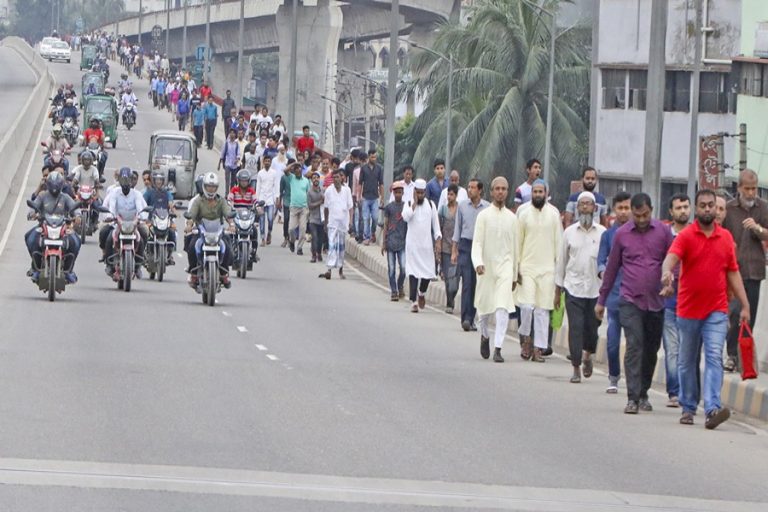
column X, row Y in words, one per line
column 158, row 176
column 124, row 76
column 243, row 178
column 210, row 185
column 86, row 155
column 54, row 183
column 56, row 130
column 124, row 177
column 94, row 122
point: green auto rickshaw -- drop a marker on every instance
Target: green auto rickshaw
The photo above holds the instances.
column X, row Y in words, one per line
column 104, row 108
column 174, row 154
column 88, row 56
column 92, row 83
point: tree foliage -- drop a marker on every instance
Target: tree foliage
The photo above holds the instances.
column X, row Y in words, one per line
column 500, row 85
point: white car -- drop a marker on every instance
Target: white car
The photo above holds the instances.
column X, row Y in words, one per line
column 60, row 51
column 46, row 44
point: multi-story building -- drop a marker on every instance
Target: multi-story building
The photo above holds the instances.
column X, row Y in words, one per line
column 751, row 66
column 621, row 55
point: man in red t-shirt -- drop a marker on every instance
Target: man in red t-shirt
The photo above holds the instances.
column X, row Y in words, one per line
column 708, row 268
column 205, row 91
column 94, row 130
column 305, row 142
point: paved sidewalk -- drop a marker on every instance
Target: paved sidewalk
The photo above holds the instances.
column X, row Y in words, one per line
column 747, row 397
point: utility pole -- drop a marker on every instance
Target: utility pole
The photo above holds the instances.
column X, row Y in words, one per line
column 366, row 117
column 720, row 147
column 168, row 29
column 654, row 115
column 141, row 9
column 594, row 96
column 550, row 98
column 742, row 146
column 389, row 136
column 694, row 142
column 448, row 139
column 241, row 43
column 184, row 38
column 293, row 64
column 207, row 37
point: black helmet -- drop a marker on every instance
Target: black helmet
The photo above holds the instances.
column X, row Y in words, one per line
column 54, row 183
column 243, row 176
column 124, row 177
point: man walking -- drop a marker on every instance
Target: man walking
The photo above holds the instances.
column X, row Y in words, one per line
column 621, row 210
column 299, row 210
column 577, row 275
column 230, row 158
column 708, row 270
column 495, row 255
column 540, row 238
column 680, row 212
column 372, row 184
column 589, row 184
column 461, row 194
column 438, row 183
column 461, row 250
column 523, row 192
column 227, row 106
column 747, row 220
column 284, row 200
column 393, row 242
column 420, row 249
column 315, row 200
column 210, row 121
column 267, row 190
column 446, row 214
column 639, row 248
column 338, row 214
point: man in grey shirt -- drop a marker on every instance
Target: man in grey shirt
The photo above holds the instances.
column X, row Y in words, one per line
column 315, row 199
column 461, row 251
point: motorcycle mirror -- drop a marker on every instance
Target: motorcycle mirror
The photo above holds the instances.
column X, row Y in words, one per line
column 31, row 204
column 101, row 209
column 147, row 209
column 187, row 215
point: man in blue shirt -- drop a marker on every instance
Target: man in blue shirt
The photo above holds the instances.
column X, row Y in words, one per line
column 198, row 122
column 438, row 183
column 210, row 121
column 622, row 210
column 588, row 183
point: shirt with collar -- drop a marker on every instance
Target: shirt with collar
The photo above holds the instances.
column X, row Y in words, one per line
column 466, row 216
column 749, row 248
column 576, row 269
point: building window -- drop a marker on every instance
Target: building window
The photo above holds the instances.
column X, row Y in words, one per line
column 609, row 187
column 638, row 88
column 384, row 56
column 751, row 79
column 401, row 58
column 614, row 88
column 677, row 93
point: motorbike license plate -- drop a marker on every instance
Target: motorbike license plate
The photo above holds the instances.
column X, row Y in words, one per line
column 127, row 237
column 56, row 243
column 211, row 248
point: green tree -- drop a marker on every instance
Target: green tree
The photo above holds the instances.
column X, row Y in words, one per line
column 501, row 61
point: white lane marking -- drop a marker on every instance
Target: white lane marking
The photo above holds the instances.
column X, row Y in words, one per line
column 344, row 489
column 242, row 328
column 272, row 357
column 22, row 190
column 226, row 313
column 262, row 348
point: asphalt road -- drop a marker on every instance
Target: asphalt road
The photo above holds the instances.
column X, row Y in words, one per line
column 300, row 394
column 16, row 83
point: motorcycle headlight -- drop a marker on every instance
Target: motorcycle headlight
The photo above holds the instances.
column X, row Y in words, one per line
column 243, row 223
column 211, row 239
column 161, row 224
column 128, row 227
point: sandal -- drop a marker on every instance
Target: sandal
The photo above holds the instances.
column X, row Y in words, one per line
column 587, row 368
column 538, row 357
column 686, row 419
column 526, row 347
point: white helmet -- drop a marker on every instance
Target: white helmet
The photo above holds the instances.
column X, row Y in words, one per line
column 210, row 185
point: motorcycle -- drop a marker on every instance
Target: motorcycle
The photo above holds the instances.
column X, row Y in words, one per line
column 70, row 130
column 209, row 266
column 87, row 197
column 99, row 157
column 126, row 239
column 53, row 159
column 129, row 116
column 53, row 229
column 55, row 113
column 246, row 230
column 159, row 247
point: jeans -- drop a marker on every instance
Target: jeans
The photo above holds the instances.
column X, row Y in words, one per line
column 582, row 326
column 230, row 174
column 198, row 134
column 317, row 231
column 643, row 332
column 414, row 284
column 710, row 333
column 671, row 339
column 70, row 250
column 614, row 343
column 451, row 276
column 395, row 259
column 210, row 128
column 286, row 220
column 468, row 281
column 370, row 216
column 183, row 122
column 752, row 287
column 267, row 219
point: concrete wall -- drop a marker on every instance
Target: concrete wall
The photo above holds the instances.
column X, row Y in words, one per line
column 752, row 13
column 16, row 142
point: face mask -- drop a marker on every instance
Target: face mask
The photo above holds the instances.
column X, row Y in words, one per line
column 126, row 189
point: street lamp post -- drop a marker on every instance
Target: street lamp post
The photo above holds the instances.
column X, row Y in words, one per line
column 241, row 43
column 207, row 51
column 184, row 37
column 389, row 137
column 293, row 68
column 449, row 123
column 168, row 30
column 141, row 8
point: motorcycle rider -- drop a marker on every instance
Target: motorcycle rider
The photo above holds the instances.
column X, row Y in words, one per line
column 53, row 201
column 129, row 97
column 211, row 206
column 243, row 195
column 58, row 99
column 125, row 203
column 93, row 130
column 56, row 141
column 87, row 174
column 54, row 159
column 69, row 110
column 124, row 83
column 159, row 197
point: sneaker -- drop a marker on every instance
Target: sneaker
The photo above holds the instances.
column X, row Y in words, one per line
column 71, row 277
column 449, row 311
column 613, row 385
column 465, row 325
column 393, row 297
column 645, row 405
column 299, row 252
column 414, row 308
column 497, row 356
column 576, row 379
column 226, row 282
column 673, row 402
column 292, row 246
column 717, row 417
column 730, row 364
column 631, row 407
column 485, row 347
column 422, row 301
column 35, row 275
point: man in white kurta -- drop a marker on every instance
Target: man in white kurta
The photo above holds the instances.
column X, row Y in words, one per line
column 540, row 238
column 495, row 255
column 338, row 214
column 420, row 256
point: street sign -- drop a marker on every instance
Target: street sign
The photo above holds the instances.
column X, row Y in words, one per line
column 200, row 52
column 157, row 32
column 79, row 24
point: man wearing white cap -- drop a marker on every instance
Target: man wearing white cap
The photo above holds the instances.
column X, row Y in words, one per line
column 495, row 255
column 577, row 274
column 420, row 254
column 540, row 238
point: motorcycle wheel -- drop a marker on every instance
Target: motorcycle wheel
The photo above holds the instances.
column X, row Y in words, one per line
column 128, row 268
column 212, row 283
column 53, row 271
column 244, row 255
column 161, row 255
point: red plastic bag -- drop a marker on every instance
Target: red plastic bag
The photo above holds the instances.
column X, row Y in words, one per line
column 747, row 353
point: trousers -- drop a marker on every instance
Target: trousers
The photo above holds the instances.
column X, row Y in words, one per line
column 643, row 332
column 582, row 326
column 502, row 322
column 468, row 277
column 536, row 319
